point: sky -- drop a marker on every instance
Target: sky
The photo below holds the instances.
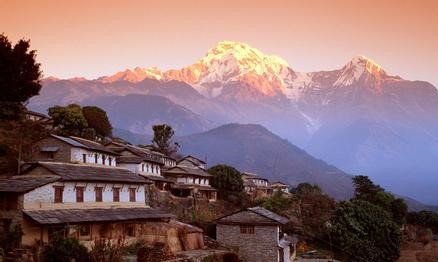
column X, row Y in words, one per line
column 92, row 38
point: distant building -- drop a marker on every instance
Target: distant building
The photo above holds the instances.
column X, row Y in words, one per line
column 191, row 179
column 257, row 233
column 255, row 185
column 144, row 162
column 72, row 149
column 280, row 186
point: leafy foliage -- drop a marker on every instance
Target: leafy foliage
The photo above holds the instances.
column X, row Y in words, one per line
column 104, row 250
column 366, row 190
column 226, row 178
column 305, row 188
column 60, row 249
column 365, row 232
column 87, row 122
column 69, row 120
column 11, row 239
column 98, row 120
column 162, row 140
column 279, row 203
column 16, row 140
column 19, row 77
column 424, row 218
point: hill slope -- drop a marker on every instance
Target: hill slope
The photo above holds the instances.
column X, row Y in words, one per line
column 255, row 149
column 137, row 113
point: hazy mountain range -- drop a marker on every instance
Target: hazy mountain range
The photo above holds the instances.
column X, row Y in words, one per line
column 358, row 117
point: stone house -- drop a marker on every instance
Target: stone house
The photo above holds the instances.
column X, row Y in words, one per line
column 88, row 202
column 191, row 179
column 255, row 185
column 257, row 235
column 280, row 186
column 71, row 149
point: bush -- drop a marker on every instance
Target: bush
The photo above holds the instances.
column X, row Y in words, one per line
column 104, row 250
column 61, row 249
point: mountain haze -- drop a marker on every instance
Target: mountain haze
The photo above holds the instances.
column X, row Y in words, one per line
column 358, row 117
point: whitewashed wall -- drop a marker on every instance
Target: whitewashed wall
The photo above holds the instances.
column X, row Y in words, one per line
column 76, row 156
column 46, row 194
column 149, row 168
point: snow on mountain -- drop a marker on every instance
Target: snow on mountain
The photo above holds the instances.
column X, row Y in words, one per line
column 232, row 61
column 136, row 75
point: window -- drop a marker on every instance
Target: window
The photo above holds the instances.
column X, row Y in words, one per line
column 98, row 194
column 58, row 194
column 116, row 194
column 84, row 230
column 79, row 194
column 103, row 159
column 84, row 158
column 130, row 230
column 132, row 195
column 50, row 155
column 245, row 229
column 142, row 167
column 95, row 158
column 110, row 161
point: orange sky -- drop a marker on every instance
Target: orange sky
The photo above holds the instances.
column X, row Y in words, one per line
column 93, row 38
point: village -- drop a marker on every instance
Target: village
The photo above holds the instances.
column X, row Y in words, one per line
column 114, row 192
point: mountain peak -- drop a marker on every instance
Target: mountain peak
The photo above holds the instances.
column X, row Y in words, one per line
column 135, row 75
column 360, row 67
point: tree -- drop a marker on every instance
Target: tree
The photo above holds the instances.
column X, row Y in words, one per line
column 98, row 120
column 20, row 76
column 365, row 189
column 69, row 120
column 226, row 178
column 365, row 232
column 162, row 140
column 305, row 188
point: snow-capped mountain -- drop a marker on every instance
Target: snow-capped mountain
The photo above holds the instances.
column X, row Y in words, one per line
column 357, row 117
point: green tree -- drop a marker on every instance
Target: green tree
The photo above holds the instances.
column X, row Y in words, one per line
column 228, row 181
column 20, row 76
column 279, row 203
column 162, row 140
column 365, row 189
column 365, row 232
column 305, row 188
column 98, row 120
column 61, row 249
column 69, row 120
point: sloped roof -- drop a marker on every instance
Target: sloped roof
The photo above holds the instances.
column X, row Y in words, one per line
column 129, row 159
column 271, row 215
column 196, row 161
column 24, row 184
column 144, row 153
column 246, row 175
column 182, row 170
column 65, row 216
column 80, row 172
column 84, row 143
column 256, row 215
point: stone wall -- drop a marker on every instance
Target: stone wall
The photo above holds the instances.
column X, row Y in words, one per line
column 262, row 246
column 62, row 155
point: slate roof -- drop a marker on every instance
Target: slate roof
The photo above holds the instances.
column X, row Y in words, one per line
column 158, row 178
column 24, row 184
column 252, row 176
column 65, row 216
column 84, row 143
column 129, row 159
column 265, row 217
column 80, row 172
column 196, row 161
column 144, row 153
column 200, row 187
column 182, row 170
column 271, row 215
